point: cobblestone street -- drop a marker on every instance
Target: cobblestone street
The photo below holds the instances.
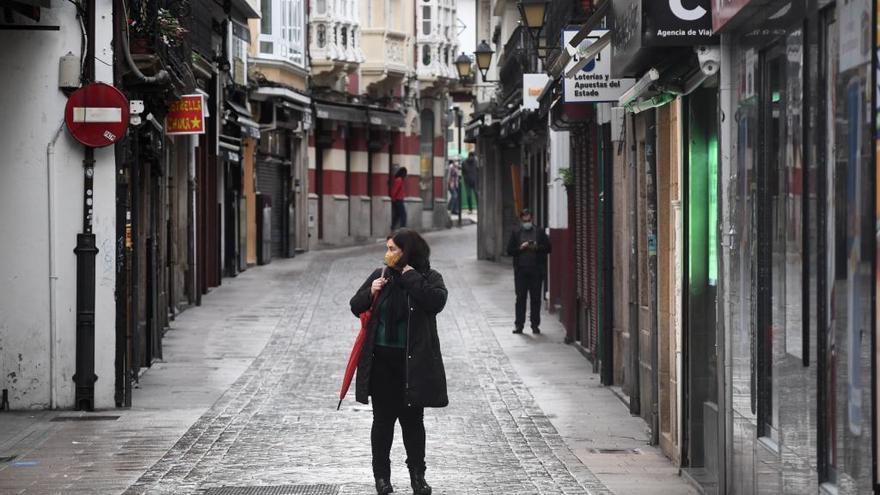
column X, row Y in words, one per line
column 246, row 393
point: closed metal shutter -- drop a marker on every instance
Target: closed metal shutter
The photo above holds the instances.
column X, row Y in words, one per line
column 271, row 178
column 586, row 209
column 580, row 152
column 592, row 242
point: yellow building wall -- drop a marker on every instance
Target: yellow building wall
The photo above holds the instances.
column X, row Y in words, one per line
column 248, row 188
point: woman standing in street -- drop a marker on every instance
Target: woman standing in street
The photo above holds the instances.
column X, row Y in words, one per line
column 401, row 366
column 398, row 193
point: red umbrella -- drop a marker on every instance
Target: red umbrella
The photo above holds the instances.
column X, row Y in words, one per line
column 355, row 355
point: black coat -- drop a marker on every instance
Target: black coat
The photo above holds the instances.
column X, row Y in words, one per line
column 425, row 374
column 542, row 247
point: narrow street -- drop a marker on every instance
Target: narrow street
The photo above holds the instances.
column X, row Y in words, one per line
column 246, row 397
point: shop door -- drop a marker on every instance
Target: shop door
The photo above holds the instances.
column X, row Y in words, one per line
column 273, row 180
column 232, row 171
column 702, row 419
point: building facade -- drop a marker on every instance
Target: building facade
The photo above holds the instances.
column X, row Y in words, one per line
column 710, row 223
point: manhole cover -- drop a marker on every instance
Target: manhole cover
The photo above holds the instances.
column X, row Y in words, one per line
column 615, row 451
column 85, row 418
column 275, row 490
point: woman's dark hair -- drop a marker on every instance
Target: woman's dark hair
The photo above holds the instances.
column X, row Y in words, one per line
column 401, row 172
column 416, row 251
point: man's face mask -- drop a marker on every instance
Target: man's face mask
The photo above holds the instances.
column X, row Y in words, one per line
column 391, row 259
column 527, row 225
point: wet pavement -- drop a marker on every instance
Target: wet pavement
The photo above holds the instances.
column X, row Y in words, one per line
column 246, row 397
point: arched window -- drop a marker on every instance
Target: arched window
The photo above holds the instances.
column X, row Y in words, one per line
column 322, row 36
column 426, row 55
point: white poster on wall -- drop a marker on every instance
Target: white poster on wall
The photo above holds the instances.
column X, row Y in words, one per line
column 855, row 34
column 593, row 84
column 533, row 84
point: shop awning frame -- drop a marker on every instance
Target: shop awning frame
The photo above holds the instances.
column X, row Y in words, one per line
column 300, row 101
column 570, row 49
column 386, row 118
column 339, row 112
column 244, row 119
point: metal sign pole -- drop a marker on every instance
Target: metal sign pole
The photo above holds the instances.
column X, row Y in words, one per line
column 86, row 251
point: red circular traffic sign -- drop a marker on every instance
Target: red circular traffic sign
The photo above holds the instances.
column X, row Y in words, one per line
column 97, row 115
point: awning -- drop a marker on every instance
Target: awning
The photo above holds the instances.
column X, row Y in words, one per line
column 511, row 124
column 293, row 98
column 386, row 118
column 472, row 129
column 343, row 113
column 244, row 119
column 245, row 7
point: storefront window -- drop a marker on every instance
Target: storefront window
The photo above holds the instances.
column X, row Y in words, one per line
column 827, row 347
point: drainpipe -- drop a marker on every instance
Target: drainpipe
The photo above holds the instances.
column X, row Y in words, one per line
column 53, row 277
column 160, row 76
column 651, row 220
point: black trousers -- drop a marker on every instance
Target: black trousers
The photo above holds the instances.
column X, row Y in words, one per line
column 528, row 282
column 387, row 384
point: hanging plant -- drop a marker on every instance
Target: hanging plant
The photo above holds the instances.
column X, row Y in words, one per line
column 169, row 27
column 567, row 176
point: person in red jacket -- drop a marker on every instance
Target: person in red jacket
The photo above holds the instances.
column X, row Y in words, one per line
column 398, row 193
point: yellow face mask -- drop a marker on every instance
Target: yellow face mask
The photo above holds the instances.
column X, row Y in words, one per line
column 391, row 259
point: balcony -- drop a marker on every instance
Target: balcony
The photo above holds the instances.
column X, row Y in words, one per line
column 516, row 58
column 162, row 36
column 388, row 55
column 436, row 43
column 334, row 41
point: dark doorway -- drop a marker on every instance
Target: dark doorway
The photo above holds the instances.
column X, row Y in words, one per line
column 701, row 418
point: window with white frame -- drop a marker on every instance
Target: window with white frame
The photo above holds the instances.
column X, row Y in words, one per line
column 239, row 41
column 426, row 20
column 282, row 30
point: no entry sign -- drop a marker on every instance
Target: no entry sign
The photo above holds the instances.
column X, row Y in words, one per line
column 97, row 115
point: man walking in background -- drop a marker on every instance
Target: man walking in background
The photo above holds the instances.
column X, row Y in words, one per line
column 470, row 173
column 529, row 246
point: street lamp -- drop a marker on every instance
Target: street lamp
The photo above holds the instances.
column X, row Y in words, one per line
column 484, row 54
column 463, row 66
column 532, row 13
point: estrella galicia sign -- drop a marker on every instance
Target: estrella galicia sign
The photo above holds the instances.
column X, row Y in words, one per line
column 678, row 22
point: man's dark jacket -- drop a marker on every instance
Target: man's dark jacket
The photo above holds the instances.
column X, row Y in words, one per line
column 425, row 374
column 469, row 171
column 542, row 247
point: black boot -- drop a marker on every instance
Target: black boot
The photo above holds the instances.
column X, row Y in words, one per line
column 383, row 486
column 419, row 485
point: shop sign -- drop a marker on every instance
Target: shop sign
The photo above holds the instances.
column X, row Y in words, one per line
column 97, row 115
column 855, row 34
column 678, row 23
column 725, row 10
column 533, row 84
column 593, row 84
column 186, row 116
